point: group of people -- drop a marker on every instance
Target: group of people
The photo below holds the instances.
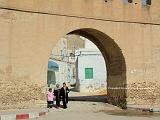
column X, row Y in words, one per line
column 58, row 94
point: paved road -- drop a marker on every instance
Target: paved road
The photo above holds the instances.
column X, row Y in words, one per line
column 96, row 111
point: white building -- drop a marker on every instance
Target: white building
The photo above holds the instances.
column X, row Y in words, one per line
column 90, row 70
column 88, row 62
column 59, row 72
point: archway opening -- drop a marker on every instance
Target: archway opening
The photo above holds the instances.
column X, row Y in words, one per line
column 115, row 64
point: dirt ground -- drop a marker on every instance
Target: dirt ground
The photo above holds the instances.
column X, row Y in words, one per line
column 97, row 111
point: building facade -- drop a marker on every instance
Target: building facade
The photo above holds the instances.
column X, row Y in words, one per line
column 90, row 71
column 60, row 72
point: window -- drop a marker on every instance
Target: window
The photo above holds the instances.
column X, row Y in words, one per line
column 88, row 73
column 127, row 1
column 146, row 2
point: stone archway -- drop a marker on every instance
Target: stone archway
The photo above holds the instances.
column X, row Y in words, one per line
column 115, row 64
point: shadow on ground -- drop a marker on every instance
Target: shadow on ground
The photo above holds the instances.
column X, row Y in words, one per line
column 93, row 98
column 131, row 113
column 115, row 112
column 89, row 98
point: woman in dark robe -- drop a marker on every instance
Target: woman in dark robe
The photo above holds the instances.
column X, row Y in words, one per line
column 57, row 94
column 64, row 94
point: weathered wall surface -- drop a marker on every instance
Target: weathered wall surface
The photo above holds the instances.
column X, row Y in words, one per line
column 98, row 82
column 26, row 41
column 112, row 10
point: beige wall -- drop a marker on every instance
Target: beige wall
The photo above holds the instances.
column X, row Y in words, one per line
column 112, row 10
column 26, row 39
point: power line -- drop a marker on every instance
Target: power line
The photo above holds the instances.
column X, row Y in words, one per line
column 74, row 16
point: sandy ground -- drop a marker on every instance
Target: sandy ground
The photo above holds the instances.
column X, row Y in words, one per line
column 96, row 111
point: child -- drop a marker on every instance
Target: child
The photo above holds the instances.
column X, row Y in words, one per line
column 50, row 97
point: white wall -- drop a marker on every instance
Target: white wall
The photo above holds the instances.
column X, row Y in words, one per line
column 99, row 72
column 63, row 75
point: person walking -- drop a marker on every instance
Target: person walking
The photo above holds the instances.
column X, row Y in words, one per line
column 50, row 97
column 57, row 95
column 64, row 94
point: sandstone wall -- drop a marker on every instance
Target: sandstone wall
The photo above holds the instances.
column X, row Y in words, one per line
column 26, row 41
